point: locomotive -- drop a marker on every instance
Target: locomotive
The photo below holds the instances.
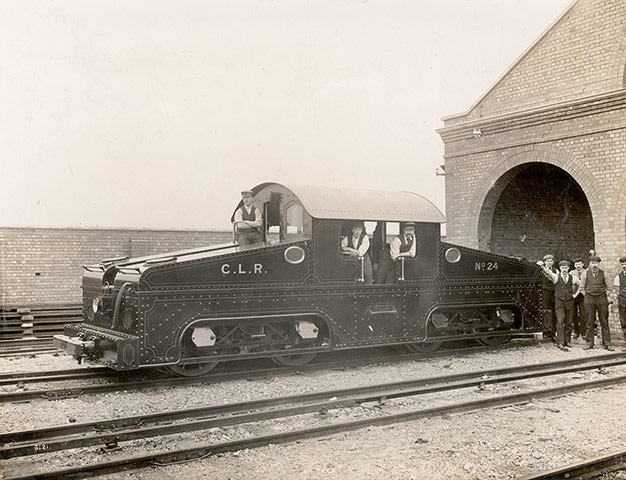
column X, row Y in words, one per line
column 295, row 295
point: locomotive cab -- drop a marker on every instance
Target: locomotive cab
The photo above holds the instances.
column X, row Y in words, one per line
column 296, row 293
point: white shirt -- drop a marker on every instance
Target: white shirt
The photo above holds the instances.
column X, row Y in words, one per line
column 555, row 278
column 396, row 243
column 365, row 245
column 239, row 218
column 574, row 273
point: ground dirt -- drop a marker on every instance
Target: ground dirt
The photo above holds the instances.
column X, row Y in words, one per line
column 494, row 443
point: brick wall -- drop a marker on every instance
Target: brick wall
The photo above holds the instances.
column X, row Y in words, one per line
column 44, row 265
column 596, row 163
column 542, row 210
column 560, row 109
column 561, row 105
column 584, row 53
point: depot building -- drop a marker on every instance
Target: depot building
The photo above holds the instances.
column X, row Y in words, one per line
column 537, row 164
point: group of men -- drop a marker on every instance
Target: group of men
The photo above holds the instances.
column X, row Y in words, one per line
column 572, row 300
column 357, row 245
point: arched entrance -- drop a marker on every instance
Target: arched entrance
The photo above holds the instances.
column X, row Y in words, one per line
column 536, row 208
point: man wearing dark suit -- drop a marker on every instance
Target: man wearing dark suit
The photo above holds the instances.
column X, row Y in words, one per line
column 580, row 319
column 564, row 287
column 595, row 285
column 620, row 291
column 547, row 299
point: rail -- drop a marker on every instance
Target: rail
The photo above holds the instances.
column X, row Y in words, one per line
column 73, row 436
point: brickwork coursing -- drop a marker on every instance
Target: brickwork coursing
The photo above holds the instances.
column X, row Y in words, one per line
column 44, row 265
column 582, row 54
column 562, row 105
column 561, row 110
column 542, row 209
column 596, row 162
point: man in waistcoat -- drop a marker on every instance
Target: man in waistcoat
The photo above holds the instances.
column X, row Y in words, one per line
column 357, row 246
column 620, row 291
column 248, row 222
column 580, row 319
column 404, row 245
column 547, row 299
column 595, row 285
column 564, row 287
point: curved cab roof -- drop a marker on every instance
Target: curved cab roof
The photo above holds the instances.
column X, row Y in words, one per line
column 361, row 204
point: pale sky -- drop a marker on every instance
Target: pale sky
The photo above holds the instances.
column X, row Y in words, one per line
column 155, row 114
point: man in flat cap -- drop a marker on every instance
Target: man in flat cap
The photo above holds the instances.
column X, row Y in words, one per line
column 580, row 319
column 564, row 287
column 547, row 299
column 404, row 245
column 248, row 222
column 620, row 291
column 595, row 285
column 357, row 245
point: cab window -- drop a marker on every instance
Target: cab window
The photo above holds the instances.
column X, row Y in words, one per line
column 297, row 223
column 392, row 230
column 294, row 220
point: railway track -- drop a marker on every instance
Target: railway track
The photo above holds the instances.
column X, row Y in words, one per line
column 27, row 347
column 25, row 342
column 589, row 468
column 111, row 432
column 129, row 381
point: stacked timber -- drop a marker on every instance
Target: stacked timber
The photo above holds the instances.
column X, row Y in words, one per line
column 37, row 321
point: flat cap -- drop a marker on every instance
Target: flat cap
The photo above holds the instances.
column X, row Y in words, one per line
column 247, row 193
column 564, row 263
column 408, row 224
column 595, row 259
column 547, row 256
column 578, row 259
column 622, row 260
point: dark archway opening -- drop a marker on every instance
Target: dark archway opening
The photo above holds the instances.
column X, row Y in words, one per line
column 537, row 208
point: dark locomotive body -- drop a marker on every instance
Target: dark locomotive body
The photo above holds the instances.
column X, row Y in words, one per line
column 295, row 295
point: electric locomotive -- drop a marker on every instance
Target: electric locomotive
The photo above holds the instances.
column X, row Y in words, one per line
column 296, row 295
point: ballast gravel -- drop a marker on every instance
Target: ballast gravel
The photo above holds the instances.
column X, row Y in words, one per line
column 495, row 443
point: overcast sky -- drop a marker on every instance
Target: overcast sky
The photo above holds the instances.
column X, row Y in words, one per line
column 155, row 113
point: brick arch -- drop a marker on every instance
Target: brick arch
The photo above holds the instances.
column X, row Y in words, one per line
column 619, row 207
column 617, row 67
column 493, row 184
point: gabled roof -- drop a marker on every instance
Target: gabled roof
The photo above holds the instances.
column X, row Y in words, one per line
column 513, row 65
column 361, row 204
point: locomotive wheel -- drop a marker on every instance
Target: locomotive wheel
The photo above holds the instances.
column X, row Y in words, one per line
column 192, row 369
column 424, row 347
column 295, row 360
